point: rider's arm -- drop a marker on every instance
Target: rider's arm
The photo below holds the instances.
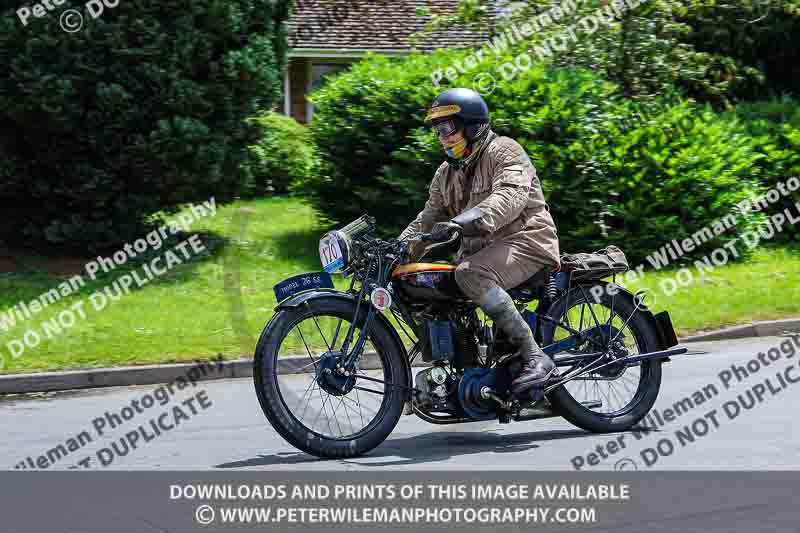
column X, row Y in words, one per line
column 434, row 210
column 512, row 177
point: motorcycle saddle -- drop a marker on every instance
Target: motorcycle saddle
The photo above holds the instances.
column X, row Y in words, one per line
column 528, row 288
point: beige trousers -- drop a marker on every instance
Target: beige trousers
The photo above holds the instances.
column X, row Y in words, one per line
column 503, row 263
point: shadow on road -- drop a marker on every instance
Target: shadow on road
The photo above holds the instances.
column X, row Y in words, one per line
column 423, row 448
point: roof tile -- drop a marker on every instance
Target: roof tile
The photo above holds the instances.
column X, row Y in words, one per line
column 341, row 25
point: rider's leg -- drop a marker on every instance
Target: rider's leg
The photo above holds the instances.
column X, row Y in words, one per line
column 483, row 277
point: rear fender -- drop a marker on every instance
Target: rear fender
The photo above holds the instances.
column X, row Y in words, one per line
column 661, row 321
column 308, row 296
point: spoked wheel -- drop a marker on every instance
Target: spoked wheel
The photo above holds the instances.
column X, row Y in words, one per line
column 309, row 398
column 613, row 396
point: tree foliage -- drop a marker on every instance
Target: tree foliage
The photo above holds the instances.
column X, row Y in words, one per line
column 716, row 51
column 140, row 111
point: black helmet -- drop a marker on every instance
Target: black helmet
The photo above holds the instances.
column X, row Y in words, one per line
column 465, row 106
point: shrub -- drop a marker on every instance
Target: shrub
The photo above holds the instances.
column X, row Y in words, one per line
column 369, row 129
column 283, row 155
column 608, row 175
column 673, row 174
column 777, row 123
column 137, row 113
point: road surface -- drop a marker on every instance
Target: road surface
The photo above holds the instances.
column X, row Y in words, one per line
column 731, row 422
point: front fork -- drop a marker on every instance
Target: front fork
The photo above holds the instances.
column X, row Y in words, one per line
column 351, row 358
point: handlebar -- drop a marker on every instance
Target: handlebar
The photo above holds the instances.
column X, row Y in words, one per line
column 428, row 237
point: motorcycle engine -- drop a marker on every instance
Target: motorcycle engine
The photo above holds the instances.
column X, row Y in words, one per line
column 438, row 388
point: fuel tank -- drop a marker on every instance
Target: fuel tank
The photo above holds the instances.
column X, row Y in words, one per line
column 422, row 282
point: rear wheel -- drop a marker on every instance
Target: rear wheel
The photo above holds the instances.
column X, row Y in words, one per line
column 614, row 397
column 304, row 398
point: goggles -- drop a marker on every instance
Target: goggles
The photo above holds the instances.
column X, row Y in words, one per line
column 443, row 128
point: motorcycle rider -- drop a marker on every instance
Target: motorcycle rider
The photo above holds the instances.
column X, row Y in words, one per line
column 488, row 188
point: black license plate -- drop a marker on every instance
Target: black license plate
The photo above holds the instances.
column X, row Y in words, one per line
column 302, row 282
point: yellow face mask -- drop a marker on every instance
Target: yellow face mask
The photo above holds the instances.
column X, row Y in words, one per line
column 456, row 150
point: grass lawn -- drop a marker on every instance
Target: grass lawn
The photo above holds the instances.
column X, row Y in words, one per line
column 765, row 287
column 188, row 314
column 185, row 315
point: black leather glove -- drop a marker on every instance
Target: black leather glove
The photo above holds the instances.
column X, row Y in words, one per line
column 468, row 222
column 443, row 230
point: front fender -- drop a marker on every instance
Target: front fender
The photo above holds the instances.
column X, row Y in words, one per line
column 314, row 294
column 300, row 298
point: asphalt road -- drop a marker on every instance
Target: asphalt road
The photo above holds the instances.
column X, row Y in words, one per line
column 224, row 428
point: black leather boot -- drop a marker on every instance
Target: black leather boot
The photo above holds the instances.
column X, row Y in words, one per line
column 537, row 366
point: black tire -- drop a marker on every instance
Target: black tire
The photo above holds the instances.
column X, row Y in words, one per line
column 646, row 337
column 282, row 418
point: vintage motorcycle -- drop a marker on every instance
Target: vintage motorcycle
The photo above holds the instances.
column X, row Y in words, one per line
column 346, row 391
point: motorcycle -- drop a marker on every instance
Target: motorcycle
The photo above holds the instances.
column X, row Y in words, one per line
column 357, row 379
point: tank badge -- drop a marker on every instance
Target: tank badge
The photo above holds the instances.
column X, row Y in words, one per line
column 381, row 299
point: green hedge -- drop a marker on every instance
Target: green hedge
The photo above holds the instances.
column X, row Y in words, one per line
column 608, row 175
column 777, row 123
column 140, row 111
column 676, row 172
column 283, row 155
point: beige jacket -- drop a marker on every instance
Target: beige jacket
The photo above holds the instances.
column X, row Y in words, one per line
column 502, row 182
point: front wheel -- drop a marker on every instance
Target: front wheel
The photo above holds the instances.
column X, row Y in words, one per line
column 314, row 408
column 616, row 396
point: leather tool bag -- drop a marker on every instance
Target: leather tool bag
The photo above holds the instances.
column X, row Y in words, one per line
column 597, row 265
